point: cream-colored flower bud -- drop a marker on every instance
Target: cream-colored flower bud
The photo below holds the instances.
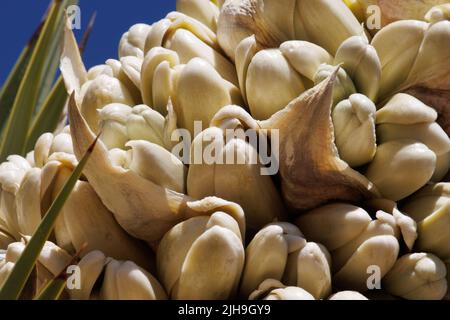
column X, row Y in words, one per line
column 197, row 90
column 407, row 109
column 354, row 129
column 28, row 202
column 417, row 276
column 200, row 92
column 144, row 123
column 405, row 228
column 267, row 253
column 432, row 64
column 100, row 92
column 274, row 290
column 122, row 280
column 121, row 123
column 188, row 47
column 48, row 144
column 343, row 86
column 14, row 251
column 30, row 158
column 96, row 71
column 405, row 117
column 173, row 22
column 438, row 13
column 355, row 241
column 310, row 269
column 401, row 167
column 280, row 252
column 158, row 74
column 271, row 83
column 12, row 173
column 127, row 71
column 127, row 75
column 132, row 42
column 131, row 68
column 271, row 78
column 33, row 196
column 190, row 39
column 205, row 11
column 430, row 134
column 399, row 39
column 262, row 202
column 112, row 121
column 62, row 143
column 336, row 23
column 42, row 149
column 53, row 258
column 305, row 57
column 347, row 295
column 202, row 258
column 413, row 53
column 91, row 267
column 360, row 60
column 430, row 208
column 158, row 165
column 322, row 224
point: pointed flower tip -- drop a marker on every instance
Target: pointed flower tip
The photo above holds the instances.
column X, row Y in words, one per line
column 73, row 107
column 333, row 76
column 92, row 146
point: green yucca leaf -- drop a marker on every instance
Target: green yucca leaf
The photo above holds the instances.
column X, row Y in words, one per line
column 55, row 49
column 16, row 130
column 55, row 287
column 49, row 73
column 16, row 281
column 12, row 83
column 49, row 115
column 52, row 290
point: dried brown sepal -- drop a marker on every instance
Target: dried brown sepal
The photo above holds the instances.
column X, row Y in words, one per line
column 311, row 171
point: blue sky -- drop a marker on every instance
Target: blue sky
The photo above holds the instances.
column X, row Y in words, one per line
column 19, row 18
